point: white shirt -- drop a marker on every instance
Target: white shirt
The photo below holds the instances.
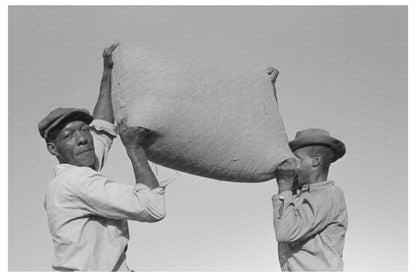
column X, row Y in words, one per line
column 311, row 227
column 88, row 213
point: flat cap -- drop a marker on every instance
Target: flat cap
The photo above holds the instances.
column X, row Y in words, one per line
column 57, row 115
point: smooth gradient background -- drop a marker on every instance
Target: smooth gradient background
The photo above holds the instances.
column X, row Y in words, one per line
column 342, row 68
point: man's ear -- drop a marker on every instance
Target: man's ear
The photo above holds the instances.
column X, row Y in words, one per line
column 316, row 160
column 52, row 149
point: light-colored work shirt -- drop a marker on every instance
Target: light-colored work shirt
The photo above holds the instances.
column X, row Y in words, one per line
column 88, row 213
column 310, row 227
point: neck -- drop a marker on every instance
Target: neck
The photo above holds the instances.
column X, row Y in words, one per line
column 90, row 166
column 318, row 176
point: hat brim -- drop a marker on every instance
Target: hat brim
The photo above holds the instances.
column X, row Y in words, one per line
column 337, row 146
column 75, row 115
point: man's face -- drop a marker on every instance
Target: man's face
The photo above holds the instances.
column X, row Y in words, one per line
column 305, row 164
column 74, row 145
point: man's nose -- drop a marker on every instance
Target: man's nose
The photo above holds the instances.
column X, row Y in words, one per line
column 298, row 162
column 82, row 139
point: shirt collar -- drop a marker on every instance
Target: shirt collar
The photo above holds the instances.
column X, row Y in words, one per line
column 57, row 169
column 311, row 187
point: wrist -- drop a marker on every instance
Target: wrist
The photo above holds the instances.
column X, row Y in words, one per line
column 285, row 180
column 134, row 147
column 285, row 185
column 108, row 67
column 284, row 189
column 136, row 154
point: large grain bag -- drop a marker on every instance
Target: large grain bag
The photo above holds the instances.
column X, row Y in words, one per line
column 205, row 122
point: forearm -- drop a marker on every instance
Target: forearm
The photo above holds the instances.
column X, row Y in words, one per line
column 288, row 223
column 104, row 107
column 274, row 91
column 284, row 184
column 296, row 222
column 142, row 171
column 106, row 198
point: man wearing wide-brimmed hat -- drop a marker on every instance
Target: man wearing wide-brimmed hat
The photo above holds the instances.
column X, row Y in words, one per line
column 87, row 212
column 309, row 212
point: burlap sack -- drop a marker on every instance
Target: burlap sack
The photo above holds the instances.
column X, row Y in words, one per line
column 205, row 122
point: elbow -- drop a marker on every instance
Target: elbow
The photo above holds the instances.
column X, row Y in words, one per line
column 282, row 237
column 149, row 216
column 155, row 219
column 154, row 211
column 152, row 207
column 156, row 216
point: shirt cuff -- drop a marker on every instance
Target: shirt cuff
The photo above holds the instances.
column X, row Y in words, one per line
column 103, row 125
column 286, row 197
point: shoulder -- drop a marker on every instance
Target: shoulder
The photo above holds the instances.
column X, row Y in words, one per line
column 333, row 195
column 326, row 191
column 337, row 192
column 339, row 196
column 327, row 198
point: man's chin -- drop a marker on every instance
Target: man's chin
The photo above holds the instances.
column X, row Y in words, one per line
column 87, row 163
column 86, row 160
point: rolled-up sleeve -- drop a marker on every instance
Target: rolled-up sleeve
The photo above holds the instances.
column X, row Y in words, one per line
column 103, row 133
column 312, row 215
column 106, row 198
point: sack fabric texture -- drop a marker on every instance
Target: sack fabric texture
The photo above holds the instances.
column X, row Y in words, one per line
column 203, row 121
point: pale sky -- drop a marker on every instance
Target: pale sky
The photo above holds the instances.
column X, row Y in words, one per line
column 343, row 69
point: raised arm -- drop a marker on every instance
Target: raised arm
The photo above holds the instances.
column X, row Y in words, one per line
column 273, row 73
column 104, row 108
column 309, row 217
column 133, row 139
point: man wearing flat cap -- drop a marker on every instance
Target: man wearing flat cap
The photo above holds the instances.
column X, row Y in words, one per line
column 87, row 212
column 309, row 212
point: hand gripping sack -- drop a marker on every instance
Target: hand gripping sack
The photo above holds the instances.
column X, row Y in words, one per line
column 204, row 122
